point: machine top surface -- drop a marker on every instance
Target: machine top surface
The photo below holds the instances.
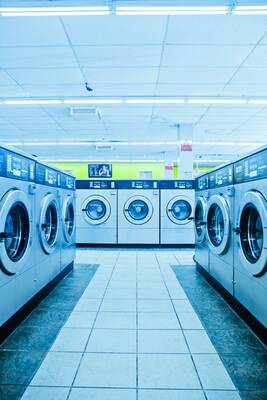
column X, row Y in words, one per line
column 138, row 184
column 95, row 184
column 16, row 166
column 251, row 168
column 177, row 184
column 221, row 177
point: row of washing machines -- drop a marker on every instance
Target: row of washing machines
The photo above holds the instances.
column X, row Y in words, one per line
column 231, row 230
column 135, row 212
column 37, row 228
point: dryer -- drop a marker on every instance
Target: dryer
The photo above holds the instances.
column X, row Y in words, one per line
column 138, row 212
column 177, row 199
column 48, row 219
column 96, row 210
column 201, row 199
column 250, row 236
column 219, row 217
column 17, row 232
column 68, row 221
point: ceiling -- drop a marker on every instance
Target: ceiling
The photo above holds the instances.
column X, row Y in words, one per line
column 133, row 57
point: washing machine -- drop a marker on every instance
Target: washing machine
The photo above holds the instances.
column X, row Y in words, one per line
column 138, row 212
column 219, row 217
column 96, row 210
column 201, row 241
column 48, row 220
column 250, row 234
column 177, row 199
column 17, row 232
column 68, row 221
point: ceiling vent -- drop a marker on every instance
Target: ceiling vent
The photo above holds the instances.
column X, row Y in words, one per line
column 84, row 111
column 104, row 147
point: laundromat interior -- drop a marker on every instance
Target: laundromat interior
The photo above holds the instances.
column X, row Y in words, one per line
column 133, row 199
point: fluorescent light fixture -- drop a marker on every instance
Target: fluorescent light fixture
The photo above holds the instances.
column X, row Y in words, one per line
column 31, row 102
column 264, row 101
column 171, row 10
column 52, row 11
column 146, row 143
column 250, row 10
column 154, row 101
column 201, row 160
column 217, row 101
column 110, row 143
column 93, row 101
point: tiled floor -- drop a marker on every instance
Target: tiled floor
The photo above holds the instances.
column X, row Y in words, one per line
column 135, row 333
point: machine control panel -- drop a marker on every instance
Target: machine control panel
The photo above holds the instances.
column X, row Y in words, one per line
column 202, row 182
column 138, row 184
column 47, row 176
column 221, row 177
column 95, row 184
column 67, row 182
column 251, row 168
column 16, row 166
column 177, row 184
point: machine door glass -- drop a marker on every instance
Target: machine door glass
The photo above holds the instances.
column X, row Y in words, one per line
column 218, row 224
column 15, row 231
column 96, row 210
column 200, row 219
column 138, row 210
column 68, row 218
column 49, row 223
column 179, row 210
column 252, row 231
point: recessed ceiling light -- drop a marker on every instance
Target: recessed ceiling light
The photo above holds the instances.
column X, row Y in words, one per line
column 31, row 102
column 93, row 101
column 216, row 101
column 154, row 101
column 171, row 10
column 52, row 11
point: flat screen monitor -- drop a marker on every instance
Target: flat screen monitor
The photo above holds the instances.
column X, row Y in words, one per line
column 100, row 171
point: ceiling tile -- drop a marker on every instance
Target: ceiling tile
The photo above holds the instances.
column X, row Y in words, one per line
column 119, row 75
column 250, row 76
column 195, row 75
column 116, row 30
column 47, row 76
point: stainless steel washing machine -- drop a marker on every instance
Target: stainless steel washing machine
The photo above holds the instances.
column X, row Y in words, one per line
column 68, row 221
column 17, row 232
column 48, row 220
column 219, row 217
column 96, row 210
column 138, row 212
column 250, row 237
column 177, row 203
column 200, row 219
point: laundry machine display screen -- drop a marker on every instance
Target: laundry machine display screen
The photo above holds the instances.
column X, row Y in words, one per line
column 251, row 168
column 17, row 167
column 2, row 162
column 138, row 210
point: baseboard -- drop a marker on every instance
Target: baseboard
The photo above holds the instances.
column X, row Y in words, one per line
column 137, row 245
column 242, row 311
column 11, row 324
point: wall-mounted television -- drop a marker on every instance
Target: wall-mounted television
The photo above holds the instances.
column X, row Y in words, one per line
column 100, row 171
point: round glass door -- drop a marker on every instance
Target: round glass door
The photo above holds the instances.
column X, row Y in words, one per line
column 200, row 223
column 218, row 224
column 68, row 218
column 179, row 210
column 96, row 210
column 15, row 231
column 138, row 210
column 215, row 224
column 252, row 232
column 49, row 223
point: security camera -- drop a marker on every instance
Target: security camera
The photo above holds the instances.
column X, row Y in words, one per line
column 87, row 87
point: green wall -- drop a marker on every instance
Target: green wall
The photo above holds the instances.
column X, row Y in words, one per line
column 120, row 170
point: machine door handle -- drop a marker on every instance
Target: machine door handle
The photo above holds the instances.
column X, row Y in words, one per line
column 84, row 209
column 190, row 218
column 203, row 223
column 7, row 235
column 126, row 209
column 43, row 226
column 237, row 230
